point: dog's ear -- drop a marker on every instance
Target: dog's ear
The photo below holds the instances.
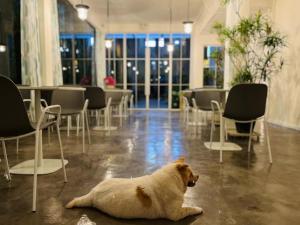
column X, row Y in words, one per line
column 182, row 169
column 180, row 160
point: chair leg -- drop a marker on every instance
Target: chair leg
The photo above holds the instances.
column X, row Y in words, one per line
column 83, row 132
column 17, row 145
column 268, row 142
column 49, row 138
column 6, row 160
column 61, row 152
column 68, row 125
column 212, row 125
column 87, row 127
column 221, row 138
column 250, row 136
column 77, row 124
column 36, row 153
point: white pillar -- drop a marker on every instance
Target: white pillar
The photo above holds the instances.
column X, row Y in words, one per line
column 100, row 57
column 51, row 69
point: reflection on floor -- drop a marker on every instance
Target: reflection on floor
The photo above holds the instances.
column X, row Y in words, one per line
column 244, row 190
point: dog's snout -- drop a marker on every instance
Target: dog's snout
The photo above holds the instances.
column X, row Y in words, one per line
column 196, row 178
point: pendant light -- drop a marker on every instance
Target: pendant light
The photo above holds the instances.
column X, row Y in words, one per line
column 188, row 24
column 170, row 45
column 82, row 10
column 108, row 42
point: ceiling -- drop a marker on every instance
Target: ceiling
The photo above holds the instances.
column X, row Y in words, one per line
column 141, row 11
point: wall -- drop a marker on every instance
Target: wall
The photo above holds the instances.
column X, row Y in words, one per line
column 285, row 87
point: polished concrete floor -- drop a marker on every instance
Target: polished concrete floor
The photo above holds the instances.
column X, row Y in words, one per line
column 243, row 190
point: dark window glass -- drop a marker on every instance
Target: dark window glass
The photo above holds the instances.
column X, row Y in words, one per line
column 130, row 47
column 177, row 45
column 141, row 47
column 175, row 96
column 67, row 69
column 163, row 50
column 164, row 71
column 153, row 99
column 140, row 72
column 154, row 72
column 83, row 72
column 163, row 100
column 119, row 48
column 10, row 60
column 119, row 71
column 154, row 50
column 185, row 71
column 66, row 48
column 176, row 72
column 131, row 69
column 186, row 47
column 141, row 98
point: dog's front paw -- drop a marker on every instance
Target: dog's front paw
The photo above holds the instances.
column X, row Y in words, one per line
column 198, row 210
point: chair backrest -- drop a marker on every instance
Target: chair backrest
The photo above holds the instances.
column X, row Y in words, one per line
column 204, row 97
column 96, row 97
column 116, row 97
column 26, row 95
column 246, row 102
column 14, row 120
column 68, row 99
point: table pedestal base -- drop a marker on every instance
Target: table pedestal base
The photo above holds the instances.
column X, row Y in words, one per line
column 227, row 146
column 27, row 167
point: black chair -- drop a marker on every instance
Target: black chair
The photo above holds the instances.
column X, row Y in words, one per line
column 246, row 103
column 97, row 102
column 14, row 124
column 73, row 103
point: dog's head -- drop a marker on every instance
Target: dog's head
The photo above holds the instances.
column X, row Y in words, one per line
column 186, row 173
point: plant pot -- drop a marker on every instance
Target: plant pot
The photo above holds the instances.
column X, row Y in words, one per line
column 110, row 86
column 244, row 127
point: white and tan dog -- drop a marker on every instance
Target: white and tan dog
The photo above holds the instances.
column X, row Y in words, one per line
column 159, row 195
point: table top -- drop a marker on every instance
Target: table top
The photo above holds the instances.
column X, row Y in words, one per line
column 50, row 88
column 117, row 90
column 205, row 89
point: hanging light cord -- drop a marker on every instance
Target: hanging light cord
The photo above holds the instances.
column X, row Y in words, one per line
column 107, row 15
column 171, row 15
column 188, row 11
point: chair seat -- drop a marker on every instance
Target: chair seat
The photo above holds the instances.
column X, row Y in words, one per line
column 66, row 112
column 16, row 133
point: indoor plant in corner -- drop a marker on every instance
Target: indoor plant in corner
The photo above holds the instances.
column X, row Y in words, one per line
column 254, row 48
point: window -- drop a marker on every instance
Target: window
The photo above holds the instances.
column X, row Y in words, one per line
column 213, row 72
column 181, row 66
column 10, row 36
column 115, row 59
column 77, row 47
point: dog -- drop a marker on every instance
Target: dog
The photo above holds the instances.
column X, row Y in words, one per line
column 159, row 195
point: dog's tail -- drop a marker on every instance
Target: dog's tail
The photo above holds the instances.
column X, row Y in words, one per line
column 83, row 201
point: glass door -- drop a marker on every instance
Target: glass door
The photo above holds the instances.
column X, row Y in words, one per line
column 159, row 71
column 141, row 63
column 135, row 63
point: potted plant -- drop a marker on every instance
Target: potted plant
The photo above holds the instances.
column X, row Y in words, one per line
column 218, row 56
column 209, row 77
column 254, row 48
column 110, row 82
